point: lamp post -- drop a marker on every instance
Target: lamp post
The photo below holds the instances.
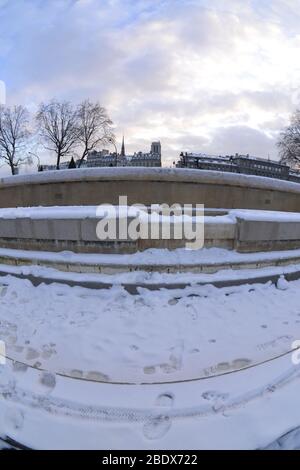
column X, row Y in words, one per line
column 37, row 157
column 111, row 141
column 23, row 161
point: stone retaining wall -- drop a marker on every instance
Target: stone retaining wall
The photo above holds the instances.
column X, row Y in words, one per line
column 243, row 233
column 147, row 186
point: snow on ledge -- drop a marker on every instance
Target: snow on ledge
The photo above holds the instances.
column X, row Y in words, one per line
column 81, row 212
column 152, row 174
column 153, row 257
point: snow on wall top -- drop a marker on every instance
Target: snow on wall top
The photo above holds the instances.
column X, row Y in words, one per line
column 82, row 212
column 153, row 174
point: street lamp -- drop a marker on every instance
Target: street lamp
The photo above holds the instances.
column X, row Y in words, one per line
column 22, row 161
column 36, row 156
column 111, row 141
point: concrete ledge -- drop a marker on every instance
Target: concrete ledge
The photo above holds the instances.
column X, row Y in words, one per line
column 38, row 232
column 258, row 235
column 201, row 261
column 147, row 186
column 95, row 281
column 75, row 230
column 150, row 174
column 257, row 230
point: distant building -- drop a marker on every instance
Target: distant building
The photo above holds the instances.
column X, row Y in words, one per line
column 156, row 148
column 123, row 154
column 105, row 159
column 63, row 166
column 237, row 164
column 101, row 158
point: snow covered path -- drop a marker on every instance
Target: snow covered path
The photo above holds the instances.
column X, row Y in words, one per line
column 167, row 341
column 112, row 336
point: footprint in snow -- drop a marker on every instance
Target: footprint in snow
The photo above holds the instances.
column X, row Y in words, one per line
column 48, row 380
column 158, row 426
column 212, row 395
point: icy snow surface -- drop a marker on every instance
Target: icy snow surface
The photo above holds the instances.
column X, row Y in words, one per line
column 110, row 335
column 235, row 340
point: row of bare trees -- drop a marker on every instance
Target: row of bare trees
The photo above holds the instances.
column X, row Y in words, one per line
column 68, row 130
column 62, row 128
column 14, row 135
column 289, row 142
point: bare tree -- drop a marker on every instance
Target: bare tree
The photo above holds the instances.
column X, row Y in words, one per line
column 289, row 143
column 58, row 126
column 95, row 127
column 14, row 134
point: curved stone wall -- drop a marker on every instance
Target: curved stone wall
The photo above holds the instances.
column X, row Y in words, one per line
column 149, row 185
column 75, row 229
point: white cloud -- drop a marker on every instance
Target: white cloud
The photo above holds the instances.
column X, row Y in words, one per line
column 218, row 75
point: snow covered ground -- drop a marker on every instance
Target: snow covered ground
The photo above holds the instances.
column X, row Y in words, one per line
column 110, row 335
column 215, row 365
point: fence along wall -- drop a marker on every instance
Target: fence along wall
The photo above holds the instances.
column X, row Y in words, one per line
column 149, row 185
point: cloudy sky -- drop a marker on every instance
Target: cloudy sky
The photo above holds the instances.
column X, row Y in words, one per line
column 218, row 76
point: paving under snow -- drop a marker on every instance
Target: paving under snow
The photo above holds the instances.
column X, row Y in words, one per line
column 110, row 335
column 235, row 340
